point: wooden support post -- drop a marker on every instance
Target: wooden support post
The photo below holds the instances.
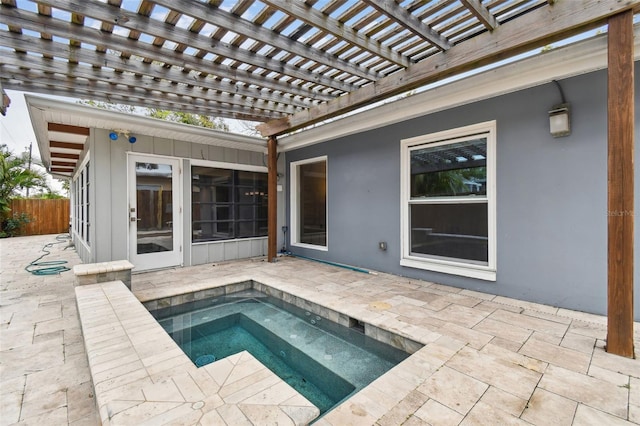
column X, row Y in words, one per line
column 620, row 183
column 272, row 225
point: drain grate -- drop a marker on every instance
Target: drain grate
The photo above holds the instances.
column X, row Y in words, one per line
column 203, row 360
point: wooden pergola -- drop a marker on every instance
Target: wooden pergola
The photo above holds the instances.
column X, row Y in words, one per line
column 290, row 64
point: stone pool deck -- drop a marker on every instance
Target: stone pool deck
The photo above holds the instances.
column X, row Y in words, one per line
column 486, row 360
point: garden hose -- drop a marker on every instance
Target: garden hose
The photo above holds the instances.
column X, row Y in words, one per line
column 52, row 267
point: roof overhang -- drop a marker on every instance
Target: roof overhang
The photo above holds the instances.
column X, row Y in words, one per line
column 63, row 128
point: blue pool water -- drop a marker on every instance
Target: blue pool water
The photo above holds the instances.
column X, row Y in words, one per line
column 322, row 360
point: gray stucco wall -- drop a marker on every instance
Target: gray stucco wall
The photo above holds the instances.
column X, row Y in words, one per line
column 551, row 195
column 109, row 207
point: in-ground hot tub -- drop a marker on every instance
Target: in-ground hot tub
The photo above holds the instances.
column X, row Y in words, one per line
column 325, row 361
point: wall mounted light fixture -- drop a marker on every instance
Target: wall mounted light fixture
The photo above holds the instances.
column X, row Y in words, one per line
column 559, row 120
column 560, row 117
column 115, row 134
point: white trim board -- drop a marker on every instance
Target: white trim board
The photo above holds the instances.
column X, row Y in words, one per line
column 563, row 62
column 294, row 220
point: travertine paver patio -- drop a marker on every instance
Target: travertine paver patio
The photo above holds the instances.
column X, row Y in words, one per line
column 487, row 359
column 44, row 375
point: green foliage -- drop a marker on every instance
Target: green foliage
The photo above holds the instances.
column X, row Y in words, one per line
column 188, row 118
column 447, row 182
column 65, row 185
column 49, row 195
column 109, row 106
column 12, row 225
column 163, row 114
column 16, row 176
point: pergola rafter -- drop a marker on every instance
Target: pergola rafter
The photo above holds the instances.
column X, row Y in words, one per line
column 161, row 30
column 315, row 18
column 532, row 30
column 411, row 23
column 160, row 79
column 263, row 60
column 287, row 63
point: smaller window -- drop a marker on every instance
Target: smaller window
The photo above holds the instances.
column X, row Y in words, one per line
column 309, row 203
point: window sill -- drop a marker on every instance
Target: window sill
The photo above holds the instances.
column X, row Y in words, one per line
column 230, row 240
column 310, row 246
column 479, row 272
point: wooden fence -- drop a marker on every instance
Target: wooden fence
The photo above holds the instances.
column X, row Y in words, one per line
column 47, row 216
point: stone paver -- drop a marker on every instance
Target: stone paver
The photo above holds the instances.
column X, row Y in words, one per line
column 44, row 374
column 519, row 362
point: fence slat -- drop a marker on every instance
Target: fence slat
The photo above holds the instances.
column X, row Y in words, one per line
column 47, row 216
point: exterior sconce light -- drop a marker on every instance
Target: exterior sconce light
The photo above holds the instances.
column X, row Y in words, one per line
column 560, row 117
column 559, row 121
column 114, row 135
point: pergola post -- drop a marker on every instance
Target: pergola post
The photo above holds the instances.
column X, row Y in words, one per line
column 620, row 185
column 272, row 208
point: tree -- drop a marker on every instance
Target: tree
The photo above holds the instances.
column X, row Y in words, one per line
column 163, row 114
column 66, row 187
column 188, row 118
column 107, row 105
column 15, row 175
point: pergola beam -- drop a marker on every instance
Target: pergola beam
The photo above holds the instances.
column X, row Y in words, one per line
column 535, row 29
column 620, row 215
column 332, row 26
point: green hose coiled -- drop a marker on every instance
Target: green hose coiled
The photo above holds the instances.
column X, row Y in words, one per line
column 52, row 267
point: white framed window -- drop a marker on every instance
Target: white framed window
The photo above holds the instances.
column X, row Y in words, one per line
column 309, row 206
column 228, row 201
column 81, row 222
column 448, row 207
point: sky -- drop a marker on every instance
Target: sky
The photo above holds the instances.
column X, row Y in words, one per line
column 16, row 131
column 15, row 128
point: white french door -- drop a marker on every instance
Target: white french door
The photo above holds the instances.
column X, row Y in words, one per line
column 155, row 222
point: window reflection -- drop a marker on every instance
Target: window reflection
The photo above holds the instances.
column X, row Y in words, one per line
column 228, row 204
column 458, row 169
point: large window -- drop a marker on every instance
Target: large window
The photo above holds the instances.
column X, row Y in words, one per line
column 228, row 204
column 309, row 203
column 448, row 201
